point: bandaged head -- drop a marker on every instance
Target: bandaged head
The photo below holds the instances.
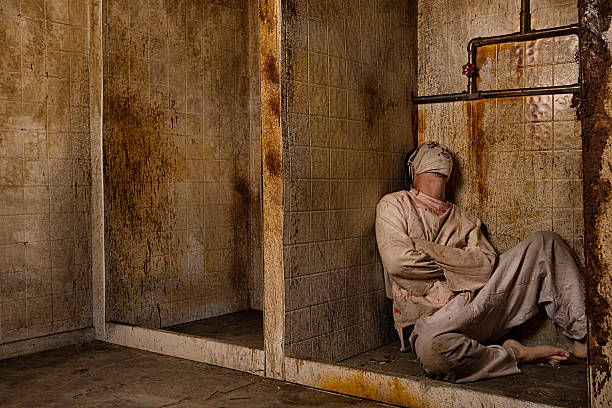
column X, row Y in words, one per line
column 429, row 157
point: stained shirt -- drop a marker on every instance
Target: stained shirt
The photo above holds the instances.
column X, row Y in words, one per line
column 430, row 249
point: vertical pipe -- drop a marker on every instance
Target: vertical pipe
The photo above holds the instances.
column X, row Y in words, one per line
column 472, row 54
column 525, row 16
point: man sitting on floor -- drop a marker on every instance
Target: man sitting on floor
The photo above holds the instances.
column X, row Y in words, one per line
column 446, row 279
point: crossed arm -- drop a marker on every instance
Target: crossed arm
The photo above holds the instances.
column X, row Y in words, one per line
column 466, row 268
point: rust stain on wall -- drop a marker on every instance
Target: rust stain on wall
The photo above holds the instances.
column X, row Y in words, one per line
column 274, row 106
column 270, row 69
column 488, row 52
column 139, row 164
column 358, row 385
column 265, row 17
column 422, row 120
column 478, row 150
column 273, row 163
column 595, row 63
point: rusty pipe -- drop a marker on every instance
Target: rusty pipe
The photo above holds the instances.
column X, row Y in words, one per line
column 497, row 93
column 474, row 43
column 529, row 36
column 525, row 16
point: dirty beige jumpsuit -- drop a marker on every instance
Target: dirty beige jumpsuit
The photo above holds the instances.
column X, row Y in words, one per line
column 425, row 244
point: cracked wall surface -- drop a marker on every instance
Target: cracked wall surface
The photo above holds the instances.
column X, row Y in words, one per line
column 45, row 182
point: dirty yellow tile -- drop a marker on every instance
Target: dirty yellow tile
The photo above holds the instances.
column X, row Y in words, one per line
column 10, row 86
column 58, row 63
column 14, row 315
column 34, row 144
column 57, row 36
column 58, row 118
column 36, row 172
column 36, row 199
column 13, row 200
column 78, row 40
column 58, row 91
column 34, row 33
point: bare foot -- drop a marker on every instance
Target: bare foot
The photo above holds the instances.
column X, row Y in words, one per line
column 580, row 348
column 538, row 354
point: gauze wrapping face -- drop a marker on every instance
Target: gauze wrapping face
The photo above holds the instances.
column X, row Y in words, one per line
column 430, row 157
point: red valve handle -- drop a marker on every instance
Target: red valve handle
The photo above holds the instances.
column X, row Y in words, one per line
column 469, row 69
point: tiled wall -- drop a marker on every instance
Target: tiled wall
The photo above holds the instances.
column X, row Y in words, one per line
column 255, row 203
column 518, row 159
column 348, row 70
column 178, row 181
column 45, row 181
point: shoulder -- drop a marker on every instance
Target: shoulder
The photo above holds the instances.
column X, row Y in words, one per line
column 392, row 202
column 396, row 198
column 468, row 219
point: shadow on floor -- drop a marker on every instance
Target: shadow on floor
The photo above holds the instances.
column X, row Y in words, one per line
column 243, row 328
column 563, row 386
column 103, row 375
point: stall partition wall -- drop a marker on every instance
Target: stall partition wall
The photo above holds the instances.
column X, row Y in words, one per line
column 256, row 279
column 180, row 189
column 518, row 160
column 348, row 69
column 45, row 267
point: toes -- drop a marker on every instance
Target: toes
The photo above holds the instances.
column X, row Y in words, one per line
column 565, row 353
column 554, row 361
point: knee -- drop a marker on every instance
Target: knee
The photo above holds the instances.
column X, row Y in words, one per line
column 542, row 237
column 439, row 355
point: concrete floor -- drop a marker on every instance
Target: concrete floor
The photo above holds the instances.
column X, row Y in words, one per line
column 103, row 375
column 243, row 328
column 562, row 386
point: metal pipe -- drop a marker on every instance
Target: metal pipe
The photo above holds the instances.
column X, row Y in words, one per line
column 514, row 37
column 525, row 16
column 525, row 34
column 529, row 36
column 497, row 93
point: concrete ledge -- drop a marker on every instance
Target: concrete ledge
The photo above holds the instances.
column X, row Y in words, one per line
column 404, row 392
column 52, row 341
column 179, row 345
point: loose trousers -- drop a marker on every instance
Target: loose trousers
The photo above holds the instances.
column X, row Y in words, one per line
column 454, row 344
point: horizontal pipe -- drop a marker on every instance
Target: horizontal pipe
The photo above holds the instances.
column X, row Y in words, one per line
column 514, row 37
column 528, row 36
column 497, row 93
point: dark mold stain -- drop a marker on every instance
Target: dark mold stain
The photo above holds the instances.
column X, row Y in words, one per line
column 595, row 62
column 243, row 192
column 375, row 107
column 289, row 9
column 270, row 69
column 139, row 165
column 273, row 163
column 414, row 121
column 274, row 106
column 240, row 261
